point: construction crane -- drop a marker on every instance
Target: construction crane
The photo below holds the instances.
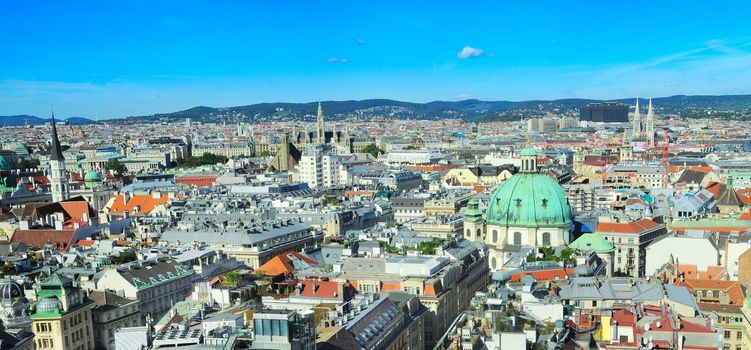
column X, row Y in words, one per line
column 460, row 134
column 665, row 161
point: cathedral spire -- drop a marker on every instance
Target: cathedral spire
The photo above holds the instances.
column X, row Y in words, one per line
column 637, row 122
column 320, row 131
column 650, row 124
column 56, row 151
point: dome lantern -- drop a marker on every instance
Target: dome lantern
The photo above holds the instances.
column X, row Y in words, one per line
column 529, row 160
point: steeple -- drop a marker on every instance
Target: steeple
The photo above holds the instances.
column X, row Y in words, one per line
column 320, row 131
column 56, row 151
column 58, row 181
column 637, row 122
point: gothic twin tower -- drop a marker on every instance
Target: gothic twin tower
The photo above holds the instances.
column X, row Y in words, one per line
column 643, row 130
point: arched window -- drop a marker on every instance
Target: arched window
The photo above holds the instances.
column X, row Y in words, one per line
column 469, row 233
column 517, row 238
column 546, row 238
column 492, row 263
column 479, row 233
column 495, row 236
column 710, row 294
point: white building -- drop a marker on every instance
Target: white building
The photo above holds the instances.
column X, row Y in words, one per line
column 733, row 250
column 320, row 168
column 684, row 250
column 414, row 156
column 158, row 284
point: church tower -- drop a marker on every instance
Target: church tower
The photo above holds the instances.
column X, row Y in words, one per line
column 474, row 226
column 650, row 125
column 637, row 122
column 58, row 181
column 320, row 131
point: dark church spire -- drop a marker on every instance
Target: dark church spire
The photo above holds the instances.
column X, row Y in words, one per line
column 56, row 152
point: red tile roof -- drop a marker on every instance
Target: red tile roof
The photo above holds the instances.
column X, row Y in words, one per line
column 280, row 264
column 86, row 243
column 145, row 202
column 320, row 289
column 704, row 169
column 624, row 317
column 77, row 210
column 62, row 239
column 638, row 226
column 196, row 180
column 543, row 275
column 733, row 288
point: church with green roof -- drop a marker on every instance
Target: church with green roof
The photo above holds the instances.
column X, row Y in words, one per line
column 529, row 208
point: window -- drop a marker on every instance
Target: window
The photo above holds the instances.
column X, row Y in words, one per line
column 469, row 233
column 495, row 236
column 479, row 233
column 266, row 327
column 492, row 262
column 517, row 238
column 727, row 334
column 546, row 238
column 739, row 335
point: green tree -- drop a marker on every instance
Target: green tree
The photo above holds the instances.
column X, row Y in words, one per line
column 124, row 257
column 326, row 268
column 116, row 166
column 373, row 150
column 205, row 159
column 232, row 277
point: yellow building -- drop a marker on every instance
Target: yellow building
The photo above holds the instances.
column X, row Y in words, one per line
column 746, row 322
column 62, row 319
column 480, row 174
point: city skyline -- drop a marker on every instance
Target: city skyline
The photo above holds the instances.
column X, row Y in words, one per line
column 139, row 59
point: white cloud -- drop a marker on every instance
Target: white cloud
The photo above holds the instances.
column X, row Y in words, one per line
column 334, row 59
column 469, row 52
column 361, row 41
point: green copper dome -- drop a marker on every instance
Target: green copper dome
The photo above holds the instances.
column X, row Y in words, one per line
column 92, row 176
column 529, row 200
column 92, row 179
column 594, row 242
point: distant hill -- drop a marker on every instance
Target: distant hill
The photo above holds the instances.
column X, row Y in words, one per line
column 725, row 106
column 466, row 109
column 20, row 120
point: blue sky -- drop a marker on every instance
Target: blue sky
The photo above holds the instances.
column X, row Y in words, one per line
column 116, row 59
